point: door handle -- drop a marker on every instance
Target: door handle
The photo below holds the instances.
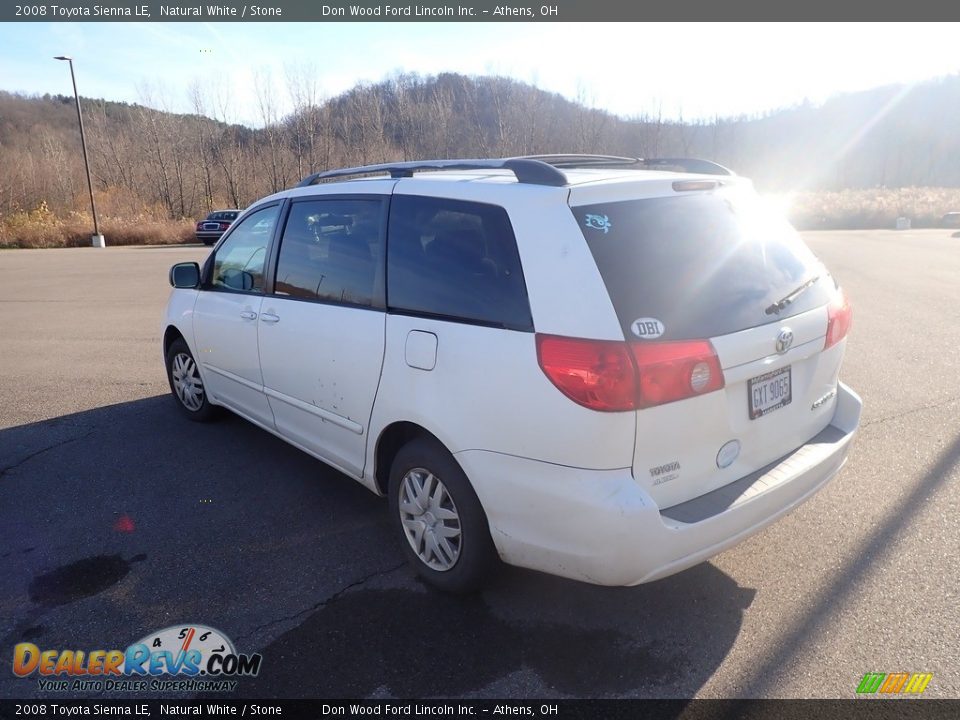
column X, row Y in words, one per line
column 269, row 317
column 248, row 315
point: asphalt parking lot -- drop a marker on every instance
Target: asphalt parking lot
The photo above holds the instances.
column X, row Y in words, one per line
column 118, row 517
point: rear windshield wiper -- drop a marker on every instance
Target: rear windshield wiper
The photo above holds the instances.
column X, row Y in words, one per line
column 790, row 297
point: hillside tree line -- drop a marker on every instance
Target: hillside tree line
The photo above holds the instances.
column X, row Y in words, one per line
column 147, row 159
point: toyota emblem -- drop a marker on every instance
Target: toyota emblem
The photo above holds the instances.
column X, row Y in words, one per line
column 784, row 340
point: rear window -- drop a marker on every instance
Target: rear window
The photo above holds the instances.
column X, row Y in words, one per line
column 699, row 265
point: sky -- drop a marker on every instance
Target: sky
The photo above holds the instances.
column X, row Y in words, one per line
column 689, row 70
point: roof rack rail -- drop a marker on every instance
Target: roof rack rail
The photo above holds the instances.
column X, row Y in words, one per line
column 527, row 170
column 585, row 161
column 690, row 165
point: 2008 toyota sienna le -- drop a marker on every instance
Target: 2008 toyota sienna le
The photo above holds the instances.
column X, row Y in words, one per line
column 604, row 368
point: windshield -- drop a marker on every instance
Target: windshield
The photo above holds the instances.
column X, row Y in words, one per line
column 699, row 265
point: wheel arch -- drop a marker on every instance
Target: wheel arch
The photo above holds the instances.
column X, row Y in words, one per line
column 393, row 437
column 171, row 335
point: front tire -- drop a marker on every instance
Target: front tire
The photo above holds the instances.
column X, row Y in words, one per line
column 441, row 523
column 186, row 385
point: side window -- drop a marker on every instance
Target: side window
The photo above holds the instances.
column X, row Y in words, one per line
column 239, row 262
column 455, row 259
column 329, row 251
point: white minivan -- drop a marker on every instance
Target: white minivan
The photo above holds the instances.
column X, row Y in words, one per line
column 604, row 368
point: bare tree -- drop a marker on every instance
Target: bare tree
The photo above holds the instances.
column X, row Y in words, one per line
column 273, row 131
column 226, row 148
column 591, row 123
column 203, row 141
column 360, row 126
column 306, row 121
column 471, row 108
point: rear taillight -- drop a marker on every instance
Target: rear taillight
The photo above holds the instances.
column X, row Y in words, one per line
column 616, row 376
column 839, row 320
column 597, row 374
column 671, row 371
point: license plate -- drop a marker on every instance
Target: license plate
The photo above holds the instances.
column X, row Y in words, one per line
column 769, row 392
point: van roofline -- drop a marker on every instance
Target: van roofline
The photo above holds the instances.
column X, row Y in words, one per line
column 532, row 169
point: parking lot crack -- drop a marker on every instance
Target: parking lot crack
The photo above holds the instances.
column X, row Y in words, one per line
column 911, row 411
column 31, row 456
column 322, row 603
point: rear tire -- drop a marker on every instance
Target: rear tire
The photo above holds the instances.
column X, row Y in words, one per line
column 442, row 526
column 186, row 385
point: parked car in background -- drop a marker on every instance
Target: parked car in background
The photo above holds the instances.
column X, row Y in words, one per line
column 951, row 220
column 214, row 225
column 584, row 365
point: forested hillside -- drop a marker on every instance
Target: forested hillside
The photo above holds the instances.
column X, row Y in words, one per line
column 159, row 166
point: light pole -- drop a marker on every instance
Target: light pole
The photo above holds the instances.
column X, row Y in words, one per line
column 98, row 240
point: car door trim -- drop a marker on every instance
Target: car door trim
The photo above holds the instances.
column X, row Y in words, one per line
column 339, row 420
column 231, row 376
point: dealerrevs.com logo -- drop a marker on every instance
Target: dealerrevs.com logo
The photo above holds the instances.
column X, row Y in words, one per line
column 177, row 658
column 899, row 683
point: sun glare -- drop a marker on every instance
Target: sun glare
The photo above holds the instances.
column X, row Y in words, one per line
column 779, row 204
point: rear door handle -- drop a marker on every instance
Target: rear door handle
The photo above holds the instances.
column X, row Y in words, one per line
column 248, row 315
column 269, row 317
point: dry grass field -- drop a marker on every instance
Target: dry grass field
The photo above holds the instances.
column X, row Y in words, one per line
column 42, row 228
column 126, row 224
column 871, row 209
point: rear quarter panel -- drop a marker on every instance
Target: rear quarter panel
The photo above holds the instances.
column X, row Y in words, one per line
column 487, row 392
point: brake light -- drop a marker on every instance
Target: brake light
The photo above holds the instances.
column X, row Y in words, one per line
column 598, row 374
column 839, row 320
column 615, row 376
column 671, row 371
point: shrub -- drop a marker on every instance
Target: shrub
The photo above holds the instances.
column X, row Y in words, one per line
column 872, row 208
column 40, row 228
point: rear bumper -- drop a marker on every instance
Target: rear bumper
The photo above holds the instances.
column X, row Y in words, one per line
column 602, row 527
column 209, row 235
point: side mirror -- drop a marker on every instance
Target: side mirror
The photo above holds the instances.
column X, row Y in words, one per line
column 185, row 275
